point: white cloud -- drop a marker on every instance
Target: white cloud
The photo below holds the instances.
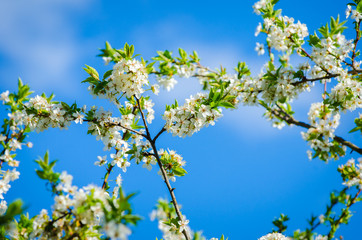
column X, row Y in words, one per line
column 40, row 44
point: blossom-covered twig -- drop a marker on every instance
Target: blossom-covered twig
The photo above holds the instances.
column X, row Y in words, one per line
column 291, row 120
column 163, row 171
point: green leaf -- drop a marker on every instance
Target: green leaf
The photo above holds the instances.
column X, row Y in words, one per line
column 107, row 74
column 359, row 7
column 91, row 80
column 20, row 83
column 179, row 171
column 15, row 208
column 314, row 40
column 226, row 104
column 91, row 71
column 183, row 54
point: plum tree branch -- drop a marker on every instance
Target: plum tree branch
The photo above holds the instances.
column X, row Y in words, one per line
column 291, row 120
column 163, row 171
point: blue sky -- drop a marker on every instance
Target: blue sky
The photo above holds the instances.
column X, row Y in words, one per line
column 242, row 172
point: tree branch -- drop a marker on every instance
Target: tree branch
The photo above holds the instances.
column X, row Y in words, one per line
column 305, row 79
column 163, row 171
column 290, row 120
column 170, row 189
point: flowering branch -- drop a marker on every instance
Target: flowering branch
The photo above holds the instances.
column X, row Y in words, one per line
column 110, row 124
column 291, row 120
column 170, row 189
column 163, row 171
column 109, row 170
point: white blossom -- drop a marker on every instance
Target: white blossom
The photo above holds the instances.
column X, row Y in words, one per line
column 4, row 97
column 274, row 236
column 260, row 48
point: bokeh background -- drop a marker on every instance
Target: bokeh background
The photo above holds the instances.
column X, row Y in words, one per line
column 242, row 172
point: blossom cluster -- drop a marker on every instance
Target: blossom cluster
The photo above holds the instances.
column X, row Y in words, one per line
column 11, row 139
column 128, row 77
column 186, row 70
column 170, row 226
column 280, row 83
column 182, row 70
column 111, row 130
column 329, row 55
column 275, row 85
column 76, row 212
column 40, row 114
column 117, row 133
column 185, row 120
column 274, row 236
column 172, row 163
column 259, row 5
column 355, row 14
column 320, row 136
column 347, row 94
column 352, row 173
column 7, row 177
column 283, row 33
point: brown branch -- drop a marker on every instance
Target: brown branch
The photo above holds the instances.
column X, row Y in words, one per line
column 159, row 133
column 328, row 76
column 305, row 79
column 170, row 189
column 290, row 120
column 163, row 171
column 65, row 214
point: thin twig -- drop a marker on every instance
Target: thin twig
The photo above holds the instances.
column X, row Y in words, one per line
column 338, row 222
column 118, row 125
column 159, row 133
column 143, row 118
column 110, row 168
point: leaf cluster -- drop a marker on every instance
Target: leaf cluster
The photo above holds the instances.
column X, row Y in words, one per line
column 46, row 171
